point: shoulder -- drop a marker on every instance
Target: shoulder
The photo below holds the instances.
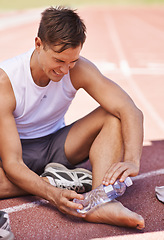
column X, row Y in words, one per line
column 4, row 80
column 83, row 73
column 6, row 92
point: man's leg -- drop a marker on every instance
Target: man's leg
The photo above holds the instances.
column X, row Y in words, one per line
column 99, row 136
column 8, row 189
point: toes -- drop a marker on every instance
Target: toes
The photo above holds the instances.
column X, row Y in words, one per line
column 141, row 224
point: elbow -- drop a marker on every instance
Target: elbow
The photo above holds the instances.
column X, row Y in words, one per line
column 140, row 115
column 8, row 171
column 140, row 120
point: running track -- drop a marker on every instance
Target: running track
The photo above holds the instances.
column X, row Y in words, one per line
column 127, row 46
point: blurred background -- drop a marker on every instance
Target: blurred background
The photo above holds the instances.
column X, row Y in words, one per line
column 124, row 39
column 19, row 4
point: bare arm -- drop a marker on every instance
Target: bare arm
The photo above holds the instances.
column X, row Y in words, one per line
column 11, row 155
column 117, row 102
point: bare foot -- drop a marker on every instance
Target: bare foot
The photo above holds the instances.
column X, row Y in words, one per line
column 115, row 213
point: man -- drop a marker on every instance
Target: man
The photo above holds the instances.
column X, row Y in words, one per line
column 36, row 90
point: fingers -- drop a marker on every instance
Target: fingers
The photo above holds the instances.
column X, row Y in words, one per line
column 73, row 212
column 69, row 194
column 125, row 175
column 67, row 206
column 113, row 173
column 120, row 170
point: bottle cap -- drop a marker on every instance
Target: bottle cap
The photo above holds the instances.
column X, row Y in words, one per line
column 108, row 188
column 128, row 182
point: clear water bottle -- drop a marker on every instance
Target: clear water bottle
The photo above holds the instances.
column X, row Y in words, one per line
column 103, row 194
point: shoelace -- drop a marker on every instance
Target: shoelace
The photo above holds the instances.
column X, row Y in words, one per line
column 74, row 187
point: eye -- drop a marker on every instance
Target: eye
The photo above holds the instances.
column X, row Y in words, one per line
column 58, row 61
column 72, row 64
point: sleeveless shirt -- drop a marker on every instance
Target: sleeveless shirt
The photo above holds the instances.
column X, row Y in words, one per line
column 39, row 110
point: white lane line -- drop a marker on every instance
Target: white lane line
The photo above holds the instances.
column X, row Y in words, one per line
column 24, row 206
column 37, row 203
column 153, row 114
column 19, row 18
column 147, row 71
column 124, row 66
column 108, row 67
column 105, row 66
column 114, row 37
column 158, row 235
column 149, row 174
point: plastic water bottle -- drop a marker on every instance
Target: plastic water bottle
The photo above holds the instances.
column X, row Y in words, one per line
column 103, row 194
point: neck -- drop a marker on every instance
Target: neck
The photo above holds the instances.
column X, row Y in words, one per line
column 37, row 73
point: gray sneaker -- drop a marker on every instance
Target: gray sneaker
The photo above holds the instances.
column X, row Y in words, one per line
column 5, row 230
column 160, row 193
column 78, row 179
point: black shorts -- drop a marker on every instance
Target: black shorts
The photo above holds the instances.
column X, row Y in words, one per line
column 38, row 152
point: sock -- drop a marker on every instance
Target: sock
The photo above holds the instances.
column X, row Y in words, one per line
column 51, row 181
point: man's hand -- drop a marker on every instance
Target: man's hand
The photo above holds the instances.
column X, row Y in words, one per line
column 120, row 170
column 63, row 200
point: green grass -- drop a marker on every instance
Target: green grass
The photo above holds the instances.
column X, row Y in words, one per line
column 20, row 4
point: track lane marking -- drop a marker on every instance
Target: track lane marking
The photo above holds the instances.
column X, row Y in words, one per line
column 37, row 203
column 124, row 66
column 149, row 174
column 24, row 206
column 19, row 18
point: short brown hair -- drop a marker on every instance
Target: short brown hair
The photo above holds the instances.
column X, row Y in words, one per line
column 61, row 26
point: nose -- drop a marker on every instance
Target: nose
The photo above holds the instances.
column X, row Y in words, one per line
column 66, row 67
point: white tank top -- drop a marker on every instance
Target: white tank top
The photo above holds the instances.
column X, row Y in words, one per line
column 39, row 110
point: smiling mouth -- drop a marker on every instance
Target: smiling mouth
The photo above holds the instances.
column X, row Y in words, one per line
column 58, row 74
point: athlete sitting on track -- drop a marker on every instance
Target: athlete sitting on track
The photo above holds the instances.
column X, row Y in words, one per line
column 36, row 89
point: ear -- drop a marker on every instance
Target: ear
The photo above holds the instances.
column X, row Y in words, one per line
column 38, row 43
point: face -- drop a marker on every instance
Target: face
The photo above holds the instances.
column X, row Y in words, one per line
column 53, row 65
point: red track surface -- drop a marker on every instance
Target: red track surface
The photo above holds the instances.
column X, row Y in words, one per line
column 127, row 45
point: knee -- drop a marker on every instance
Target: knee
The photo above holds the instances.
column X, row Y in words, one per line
column 110, row 120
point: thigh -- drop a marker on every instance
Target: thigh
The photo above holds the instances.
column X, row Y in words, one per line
column 37, row 153
column 56, row 152
column 82, row 135
column 34, row 153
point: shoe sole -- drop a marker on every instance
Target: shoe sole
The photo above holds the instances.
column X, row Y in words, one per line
column 59, row 166
column 10, row 236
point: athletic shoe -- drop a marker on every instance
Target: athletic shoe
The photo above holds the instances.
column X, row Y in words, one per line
column 78, row 179
column 160, row 193
column 5, row 231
